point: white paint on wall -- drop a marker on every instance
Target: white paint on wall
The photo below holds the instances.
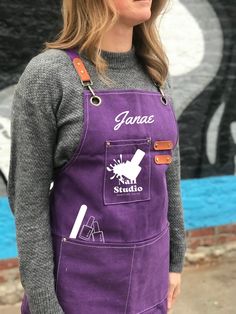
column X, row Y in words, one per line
column 6, row 97
column 193, row 38
column 182, row 38
column 233, row 132
column 213, row 134
column 4, row 145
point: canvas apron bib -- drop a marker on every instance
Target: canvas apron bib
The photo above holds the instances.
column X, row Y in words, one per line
column 109, row 205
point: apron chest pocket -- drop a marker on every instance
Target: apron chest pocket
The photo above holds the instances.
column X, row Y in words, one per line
column 127, row 171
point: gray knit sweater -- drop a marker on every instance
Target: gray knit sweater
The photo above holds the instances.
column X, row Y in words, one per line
column 46, row 123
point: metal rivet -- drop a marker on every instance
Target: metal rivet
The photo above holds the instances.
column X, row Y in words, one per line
column 82, row 71
column 108, row 143
column 157, row 159
column 78, row 63
column 64, row 239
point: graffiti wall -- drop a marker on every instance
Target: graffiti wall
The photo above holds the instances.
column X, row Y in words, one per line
column 199, row 37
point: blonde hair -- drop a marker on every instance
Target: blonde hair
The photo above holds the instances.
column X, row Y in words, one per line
column 85, row 22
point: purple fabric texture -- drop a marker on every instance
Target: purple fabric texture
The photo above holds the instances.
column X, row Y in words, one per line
column 109, row 208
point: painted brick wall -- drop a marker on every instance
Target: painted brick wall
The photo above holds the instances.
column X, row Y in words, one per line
column 211, row 236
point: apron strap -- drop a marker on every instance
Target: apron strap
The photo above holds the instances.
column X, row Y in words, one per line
column 83, row 74
column 79, row 66
column 86, row 80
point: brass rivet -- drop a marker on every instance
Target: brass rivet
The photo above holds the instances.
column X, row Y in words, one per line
column 82, row 71
column 157, row 159
column 78, row 63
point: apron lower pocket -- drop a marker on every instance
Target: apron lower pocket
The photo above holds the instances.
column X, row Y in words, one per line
column 150, row 276
column 113, row 278
column 93, row 278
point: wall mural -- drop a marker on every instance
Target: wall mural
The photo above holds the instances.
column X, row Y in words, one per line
column 200, row 41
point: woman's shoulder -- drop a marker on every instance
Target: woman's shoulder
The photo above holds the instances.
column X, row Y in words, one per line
column 42, row 74
column 46, row 61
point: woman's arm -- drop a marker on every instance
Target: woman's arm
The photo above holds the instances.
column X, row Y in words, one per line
column 175, row 209
column 175, row 214
column 33, row 135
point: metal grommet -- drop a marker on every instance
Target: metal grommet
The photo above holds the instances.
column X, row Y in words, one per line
column 95, row 100
column 163, row 100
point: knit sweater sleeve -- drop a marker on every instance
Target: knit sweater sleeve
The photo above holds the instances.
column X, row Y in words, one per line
column 33, row 134
column 175, row 207
column 175, row 214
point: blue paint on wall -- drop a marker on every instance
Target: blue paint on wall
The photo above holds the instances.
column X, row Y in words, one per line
column 8, row 247
column 207, row 202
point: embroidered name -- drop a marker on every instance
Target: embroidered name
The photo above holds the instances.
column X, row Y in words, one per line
column 123, row 118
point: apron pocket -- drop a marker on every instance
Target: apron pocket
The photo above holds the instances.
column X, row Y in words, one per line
column 93, row 278
column 127, row 171
column 150, row 276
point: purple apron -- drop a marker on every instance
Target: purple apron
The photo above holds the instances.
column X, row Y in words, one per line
column 109, row 206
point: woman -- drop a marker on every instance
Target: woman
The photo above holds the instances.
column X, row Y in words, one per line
column 90, row 115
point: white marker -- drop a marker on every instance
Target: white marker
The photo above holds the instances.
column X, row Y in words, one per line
column 78, row 221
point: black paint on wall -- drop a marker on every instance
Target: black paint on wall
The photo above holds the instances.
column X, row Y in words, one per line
column 195, row 119
column 24, row 27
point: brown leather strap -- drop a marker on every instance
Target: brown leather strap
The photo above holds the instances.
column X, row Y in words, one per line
column 163, row 145
column 163, row 159
column 81, row 70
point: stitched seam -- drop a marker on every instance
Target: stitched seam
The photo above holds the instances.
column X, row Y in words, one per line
column 79, row 147
column 138, row 140
column 58, row 266
column 149, row 308
column 159, row 237
column 121, row 92
column 130, row 278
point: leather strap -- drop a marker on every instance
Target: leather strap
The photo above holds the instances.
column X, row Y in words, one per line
column 79, row 66
column 81, row 70
column 163, row 159
column 163, row 145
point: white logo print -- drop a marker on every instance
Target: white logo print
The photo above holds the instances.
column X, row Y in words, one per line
column 90, row 230
column 122, row 118
column 128, row 169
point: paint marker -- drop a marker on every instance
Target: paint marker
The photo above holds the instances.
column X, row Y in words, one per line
column 78, row 221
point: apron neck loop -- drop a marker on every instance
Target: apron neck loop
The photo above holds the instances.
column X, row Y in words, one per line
column 87, row 82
